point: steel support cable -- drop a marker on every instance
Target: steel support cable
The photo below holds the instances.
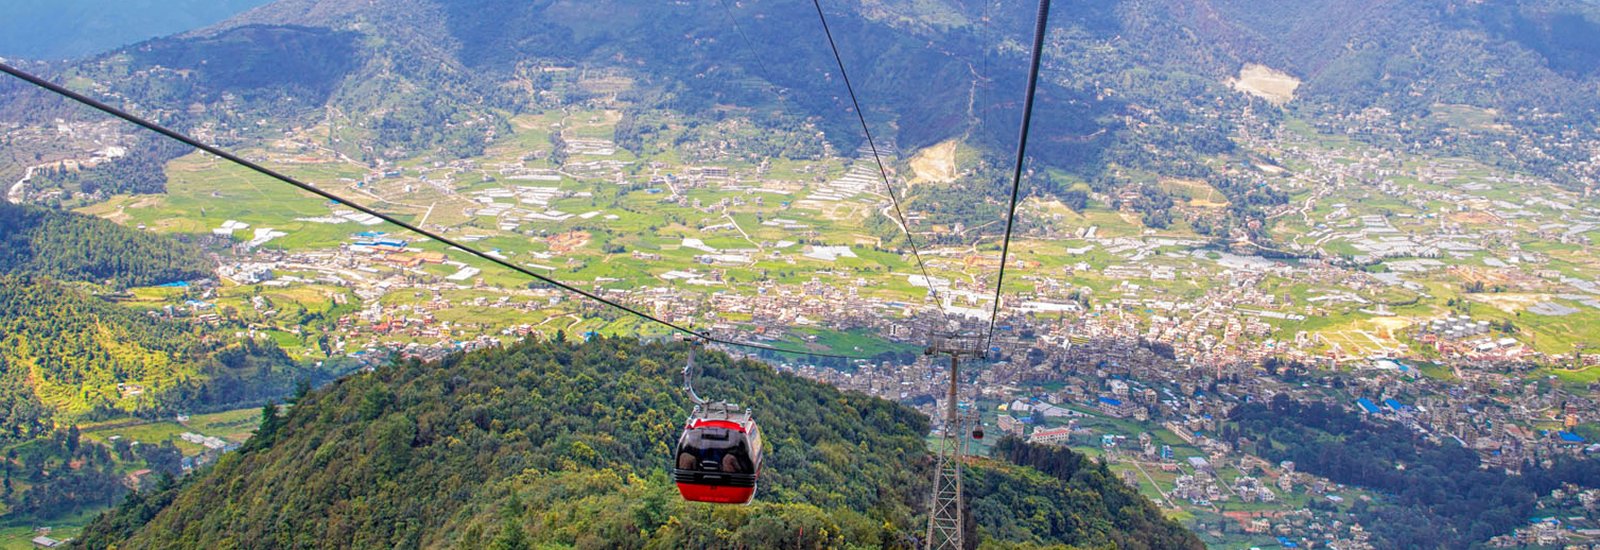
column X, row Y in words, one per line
column 882, row 172
column 192, row 142
column 749, row 47
column 1022, row 148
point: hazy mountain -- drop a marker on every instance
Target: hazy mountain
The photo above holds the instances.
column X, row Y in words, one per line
column 48, row 29
column 1131, row 89
column 1132, row 85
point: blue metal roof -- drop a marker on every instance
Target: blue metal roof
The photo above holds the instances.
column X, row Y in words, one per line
column 1570, row 437
column 1110, row 401
column 1368, row 406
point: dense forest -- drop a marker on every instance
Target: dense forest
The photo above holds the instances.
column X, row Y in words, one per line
column 63, row 473
column 1435, row 495
column 22, row 416
column 564, row 444
column 57, row 475
column 1065, row 497
column 74, row 247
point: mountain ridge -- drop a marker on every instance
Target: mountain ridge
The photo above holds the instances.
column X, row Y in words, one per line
column 1122, row 86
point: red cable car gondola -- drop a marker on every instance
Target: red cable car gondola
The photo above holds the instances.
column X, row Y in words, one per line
column 719, row 454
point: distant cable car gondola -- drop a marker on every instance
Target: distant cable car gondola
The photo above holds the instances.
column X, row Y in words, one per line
column 719, row 454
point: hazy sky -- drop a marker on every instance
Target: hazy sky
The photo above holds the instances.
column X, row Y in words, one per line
column 49, row 29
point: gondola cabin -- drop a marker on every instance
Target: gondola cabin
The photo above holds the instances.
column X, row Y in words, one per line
column 719, row 455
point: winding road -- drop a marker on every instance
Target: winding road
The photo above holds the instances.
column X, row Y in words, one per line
column 15, row 193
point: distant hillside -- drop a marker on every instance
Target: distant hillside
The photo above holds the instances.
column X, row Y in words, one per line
column 76, row 357
column 559, row 444
column 74, row 247
column 1403, row 56
column 914, row 62
column 54, row 29
column 69, row 355
column 1130, row 89
column 1424, row 481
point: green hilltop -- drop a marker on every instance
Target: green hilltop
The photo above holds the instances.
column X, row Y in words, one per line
column 558, row 444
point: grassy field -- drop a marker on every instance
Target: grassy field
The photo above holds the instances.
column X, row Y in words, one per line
column 147, row 434
column 1576, row 379
column 235, row 425
column 853, row 342
column 20, row 537
column 203, row 192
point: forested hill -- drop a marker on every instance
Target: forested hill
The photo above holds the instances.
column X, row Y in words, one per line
column 74, row 247
column 76, row 357
column 1437, row 496
column 67, row 355
column 562, row 444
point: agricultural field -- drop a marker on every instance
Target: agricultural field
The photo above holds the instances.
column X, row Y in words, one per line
column 234, row 426
column 1385, row 244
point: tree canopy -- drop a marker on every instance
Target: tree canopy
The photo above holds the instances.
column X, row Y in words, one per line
column 74, row 247
column 568, row 444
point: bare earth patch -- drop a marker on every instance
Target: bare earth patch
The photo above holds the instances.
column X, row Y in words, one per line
column 935, row 164
column 1509, row 303
column 1391, row 325
column 1475, row 217
column 1201, row 194
column 1053, row 207
column 1267, row 83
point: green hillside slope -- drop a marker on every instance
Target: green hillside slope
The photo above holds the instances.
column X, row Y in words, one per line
column 563, row 445
column 70, row 355
column 84, row 358
column 1129, row 89
column 74, row 247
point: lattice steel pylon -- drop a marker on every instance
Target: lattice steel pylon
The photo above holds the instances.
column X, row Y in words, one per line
column 945, row 515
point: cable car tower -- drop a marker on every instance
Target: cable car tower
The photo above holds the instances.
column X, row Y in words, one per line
column 944, row 513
